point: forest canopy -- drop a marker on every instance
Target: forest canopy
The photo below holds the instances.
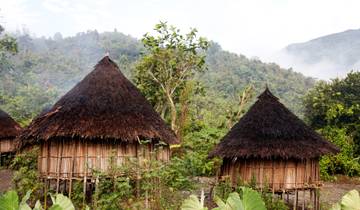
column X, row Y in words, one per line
column 44, row 69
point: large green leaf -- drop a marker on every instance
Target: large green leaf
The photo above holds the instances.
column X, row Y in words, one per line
column 233, row 202
column 351, row 201
column 336, row 206
column 192, row 203
column 23, row 205
column 9, row 201
column 38, row 206
column 252, row 200
column 61, row 202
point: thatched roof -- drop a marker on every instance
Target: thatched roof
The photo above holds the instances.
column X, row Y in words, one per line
column 270, row 130
column 104, row 105
column 9, row 129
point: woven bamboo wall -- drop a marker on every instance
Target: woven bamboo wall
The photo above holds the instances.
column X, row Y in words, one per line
column 276, row 174
column 6, row 145
column 76, row 159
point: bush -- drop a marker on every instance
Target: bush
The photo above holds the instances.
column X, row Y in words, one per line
column 342, row 163
column 26, row 177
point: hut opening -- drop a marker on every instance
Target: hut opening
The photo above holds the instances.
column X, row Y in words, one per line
column 275, row 149
column 9, row 129
column 104, row 117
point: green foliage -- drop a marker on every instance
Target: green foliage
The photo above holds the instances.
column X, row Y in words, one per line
column 8, row 47
column 229, row 74
column 334, row 109
column 346, row 161
column 61, row 202
column 198, row 143
column 170, row 62
column 350, row 201
column 193, row 203
column 249, row 200
column 223, row 189
column 10, row 201
column 155, row 184
column 49, row 67
column 272, row 203
column 26, row 177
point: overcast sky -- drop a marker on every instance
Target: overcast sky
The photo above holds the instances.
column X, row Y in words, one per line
column 250, row 27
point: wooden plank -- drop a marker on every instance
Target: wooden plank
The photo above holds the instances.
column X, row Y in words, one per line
column 60, row 152
column 72, row 167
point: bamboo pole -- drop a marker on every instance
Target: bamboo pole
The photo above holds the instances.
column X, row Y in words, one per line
column 85, row 168
column 296, row 193
column 45, row 193
column 59, row 165
column 72, row 168
column 273, row 179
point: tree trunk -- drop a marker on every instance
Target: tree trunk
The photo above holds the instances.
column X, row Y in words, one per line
column 173, row 112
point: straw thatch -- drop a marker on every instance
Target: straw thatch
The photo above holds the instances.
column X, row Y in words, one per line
column 9, row 129
column 270, row 130
column 104, row 105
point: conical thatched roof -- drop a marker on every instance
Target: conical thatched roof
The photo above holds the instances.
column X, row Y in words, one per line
column 9, row 129
column 104, row 105
column 270, row 130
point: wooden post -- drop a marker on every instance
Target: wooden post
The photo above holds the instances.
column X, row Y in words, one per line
column 315, row 207
column 45, row 193
column 273, row 179
column 303, row 206
column 296, row 192
column 85, row 168
column 304, row 183
column 72, row 168
column 59, row 163
column 287, row 196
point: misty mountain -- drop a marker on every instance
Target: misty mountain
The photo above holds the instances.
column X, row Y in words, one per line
column 46, row 68
column 327, row 56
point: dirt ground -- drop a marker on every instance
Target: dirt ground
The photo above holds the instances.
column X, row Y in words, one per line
column 330, row 193
column 5, row 179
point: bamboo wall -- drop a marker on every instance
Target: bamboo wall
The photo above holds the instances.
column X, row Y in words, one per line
column 77, row 158
column 6, row 145
column 278, row 175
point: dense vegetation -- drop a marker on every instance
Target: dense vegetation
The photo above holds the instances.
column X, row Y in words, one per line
column 201, row 95
column 334, row 109
column 46, row 68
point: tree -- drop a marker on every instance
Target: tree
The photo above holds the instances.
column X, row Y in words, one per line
column 8, row 46
column 334, row 109
column 170, row 62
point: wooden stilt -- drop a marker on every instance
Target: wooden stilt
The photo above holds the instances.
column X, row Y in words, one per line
column 303, row 206
column 59, row 162
column 297, row 198
column 45, row 194
column 315, row 202
column 287, row 197
column 85, row 168
column 72, row 169
column 96, row 192
column 294, row 201
column 273, row 180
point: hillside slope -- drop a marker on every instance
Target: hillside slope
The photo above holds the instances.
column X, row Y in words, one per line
column 334, row 54
column 51, row 66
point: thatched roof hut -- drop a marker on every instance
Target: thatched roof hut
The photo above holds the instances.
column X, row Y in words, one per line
column 102, row 114
column 273, row 147
column 269, row 130
column 9, row 129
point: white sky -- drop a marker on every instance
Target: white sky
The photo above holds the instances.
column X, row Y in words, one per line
column 249, row 27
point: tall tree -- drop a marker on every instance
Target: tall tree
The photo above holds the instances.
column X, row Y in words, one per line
column 170, row 62
column 8, row 46
column 334, row 108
